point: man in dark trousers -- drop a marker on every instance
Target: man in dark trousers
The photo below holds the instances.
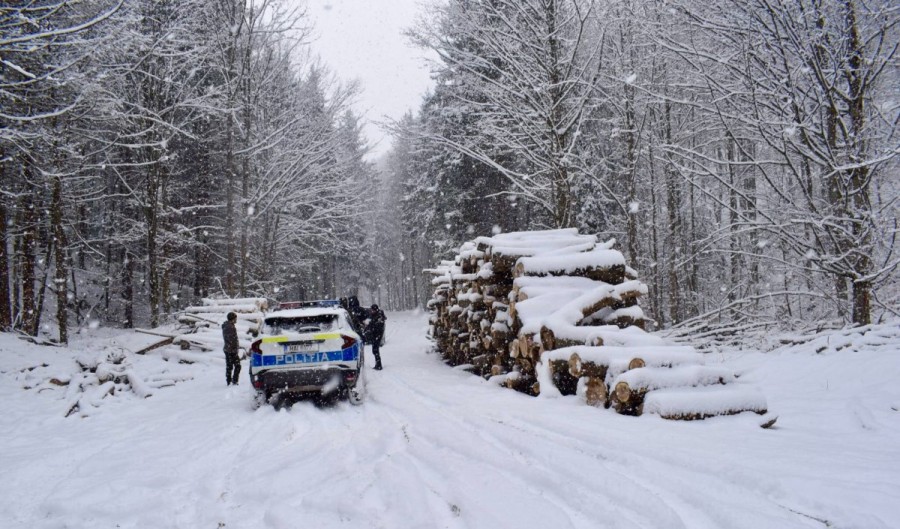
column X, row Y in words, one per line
column 375, row 330
column 232, row 360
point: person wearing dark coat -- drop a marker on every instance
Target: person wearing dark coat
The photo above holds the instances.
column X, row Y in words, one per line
column 232, row 360
column 357, row 314
column 375, row 332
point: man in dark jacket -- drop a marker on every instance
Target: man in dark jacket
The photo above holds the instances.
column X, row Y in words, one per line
column 375, row 331
column 232, row 360
column 357, row 314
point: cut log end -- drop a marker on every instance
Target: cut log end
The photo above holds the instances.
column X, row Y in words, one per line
column 596, row 393
column 636, row 363
column 548, row 339
column 575, row 366
column 623, row 392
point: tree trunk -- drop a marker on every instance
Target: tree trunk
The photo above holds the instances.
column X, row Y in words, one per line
column 858, row 185
column 128, row 289
column 28, row 258
column 45, row 240
column 673, row 203
column 655, row 294
column 61, row 277
column 5, row 312
column 155, row 195
column 734, row 259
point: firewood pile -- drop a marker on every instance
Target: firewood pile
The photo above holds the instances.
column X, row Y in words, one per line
column 106, row 374
column 556, row 312
column 203, row 322
column 108, row 370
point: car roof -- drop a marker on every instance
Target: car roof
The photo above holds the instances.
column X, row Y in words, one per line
column 305, row 312
column 287, row 305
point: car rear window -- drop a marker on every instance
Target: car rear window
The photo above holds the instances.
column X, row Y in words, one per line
column 319, row 323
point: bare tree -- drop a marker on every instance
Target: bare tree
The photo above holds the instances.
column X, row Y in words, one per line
column 804, row 83
column 530, row 73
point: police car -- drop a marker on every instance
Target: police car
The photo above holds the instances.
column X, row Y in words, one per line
column 308, row 348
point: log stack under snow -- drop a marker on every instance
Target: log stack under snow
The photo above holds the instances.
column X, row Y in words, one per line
column 204, row 321
column 556, row 312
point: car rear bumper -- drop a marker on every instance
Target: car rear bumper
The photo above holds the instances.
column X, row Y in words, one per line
column 304, row 380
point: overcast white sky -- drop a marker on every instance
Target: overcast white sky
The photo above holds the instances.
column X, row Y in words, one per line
column 362, row 39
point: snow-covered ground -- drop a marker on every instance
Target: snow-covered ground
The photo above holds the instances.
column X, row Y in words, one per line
column 435, row 447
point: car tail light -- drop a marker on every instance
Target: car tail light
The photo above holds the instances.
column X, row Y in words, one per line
column 350, row 376
column 348, row 342
column 254, row 348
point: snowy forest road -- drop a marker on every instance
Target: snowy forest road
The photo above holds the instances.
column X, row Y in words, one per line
column 432, row 447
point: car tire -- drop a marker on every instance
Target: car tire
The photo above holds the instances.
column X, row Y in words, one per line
column 259, row 400
column 277, row 400
column 357, row 394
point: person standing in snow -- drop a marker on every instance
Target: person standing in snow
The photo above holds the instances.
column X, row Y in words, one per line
column 232, row 360
column 375, row 332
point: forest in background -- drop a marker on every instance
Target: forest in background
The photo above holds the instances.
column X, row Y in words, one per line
column 156, row 152
column 743, row 154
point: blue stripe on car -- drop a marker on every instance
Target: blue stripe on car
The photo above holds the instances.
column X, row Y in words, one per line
column 349, row 354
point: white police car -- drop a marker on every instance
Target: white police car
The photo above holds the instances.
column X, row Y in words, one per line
column 308, row 348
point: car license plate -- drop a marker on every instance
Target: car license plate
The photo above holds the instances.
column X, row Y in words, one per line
column 301, row 348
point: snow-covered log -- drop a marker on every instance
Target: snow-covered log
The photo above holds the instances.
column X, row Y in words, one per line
column 603, row 265
column 688, row 403
column 630, row 387
column 242, row 308
column 138, row 385
column 259, row 304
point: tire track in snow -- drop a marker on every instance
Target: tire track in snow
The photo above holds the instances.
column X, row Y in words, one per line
column 583, row 491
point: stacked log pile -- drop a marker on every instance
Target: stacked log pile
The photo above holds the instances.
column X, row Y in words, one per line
column 556, row 312
column 204, row 322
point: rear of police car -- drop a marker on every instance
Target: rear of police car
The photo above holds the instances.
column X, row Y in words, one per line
column 308, row 350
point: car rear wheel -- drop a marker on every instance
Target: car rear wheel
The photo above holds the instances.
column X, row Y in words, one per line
column 357, row 394
column 356, row 397
column 259, row 400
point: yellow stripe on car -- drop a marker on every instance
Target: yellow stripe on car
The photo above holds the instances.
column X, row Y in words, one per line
column 326, row 336
column 321, row 336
